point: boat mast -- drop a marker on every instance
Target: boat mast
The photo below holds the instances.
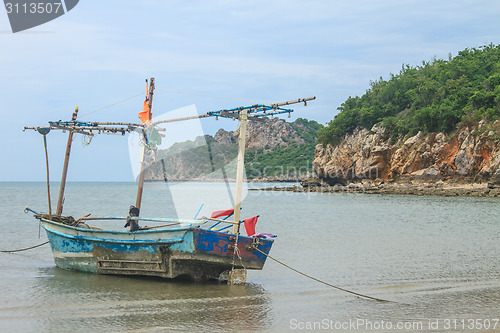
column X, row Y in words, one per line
column 140, row 185
column 239, row 170
column 44, row 131
column 65, row 167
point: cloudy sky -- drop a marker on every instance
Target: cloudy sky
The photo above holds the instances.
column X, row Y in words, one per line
column 213, row 54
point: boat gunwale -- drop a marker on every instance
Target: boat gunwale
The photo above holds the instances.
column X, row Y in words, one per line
column 117, row 241
column 119, row 232
column 142, row 232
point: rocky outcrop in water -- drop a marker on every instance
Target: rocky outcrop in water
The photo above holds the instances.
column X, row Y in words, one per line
column 471, row 154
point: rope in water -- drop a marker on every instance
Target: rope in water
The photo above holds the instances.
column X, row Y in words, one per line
column 28, row 248
column 323, row 282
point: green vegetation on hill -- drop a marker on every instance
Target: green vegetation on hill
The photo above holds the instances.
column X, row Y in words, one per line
column 436, row 96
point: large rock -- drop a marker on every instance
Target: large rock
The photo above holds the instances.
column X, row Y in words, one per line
column 271, row 134
column 224, row 137
column 362, row 154
column 471, row 152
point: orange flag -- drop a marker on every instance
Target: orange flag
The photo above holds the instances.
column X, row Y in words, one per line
column 144, row 115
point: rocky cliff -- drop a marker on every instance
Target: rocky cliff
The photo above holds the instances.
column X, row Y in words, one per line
column 471, row 154
column 268, row 135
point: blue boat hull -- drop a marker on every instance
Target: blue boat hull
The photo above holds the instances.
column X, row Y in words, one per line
column 192, row 252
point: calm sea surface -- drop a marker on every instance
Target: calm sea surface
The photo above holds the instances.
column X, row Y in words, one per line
column 436, row 258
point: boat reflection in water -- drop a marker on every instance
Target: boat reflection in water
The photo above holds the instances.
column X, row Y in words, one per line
column 91, row 301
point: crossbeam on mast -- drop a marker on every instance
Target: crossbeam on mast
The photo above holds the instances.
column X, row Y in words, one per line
column 254, row 111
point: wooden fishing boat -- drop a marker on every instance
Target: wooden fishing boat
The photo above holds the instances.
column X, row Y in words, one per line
column 199, row 249
column 183, row 250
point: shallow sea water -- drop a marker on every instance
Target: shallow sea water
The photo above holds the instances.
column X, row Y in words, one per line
column 435, row 257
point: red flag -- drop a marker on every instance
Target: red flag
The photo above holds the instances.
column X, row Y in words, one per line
column 250, row 225
column 223, row 212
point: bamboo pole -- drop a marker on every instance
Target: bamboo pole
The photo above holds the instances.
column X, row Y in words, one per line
column 239, row 170
column 218, row 220
column 47, row 167
column 140, row 185
column 295, row 101
column 180, row 119
column 82, row 129
column 60, row 200
column 140, row 182
column 117, row 123
column 160, row 226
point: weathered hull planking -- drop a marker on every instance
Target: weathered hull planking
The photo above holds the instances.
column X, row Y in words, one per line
column 191, row 252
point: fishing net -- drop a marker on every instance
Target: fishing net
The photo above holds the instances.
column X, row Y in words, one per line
column 68, row 220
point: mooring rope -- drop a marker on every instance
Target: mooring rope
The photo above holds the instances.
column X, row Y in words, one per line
column 323, row 282
column 28, row 248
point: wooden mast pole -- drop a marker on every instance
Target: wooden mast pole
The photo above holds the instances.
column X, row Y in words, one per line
column 140, row 185
column 65, row 167
column 239, row 276
column 239, row 170
column 47, row 169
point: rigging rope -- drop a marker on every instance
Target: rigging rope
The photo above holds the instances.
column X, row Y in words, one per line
column 86, row 140
column 28, row 248
column 320, row 281
column 171, row 90
column 108, row 106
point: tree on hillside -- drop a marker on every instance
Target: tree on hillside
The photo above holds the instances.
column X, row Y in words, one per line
column 435, row 96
